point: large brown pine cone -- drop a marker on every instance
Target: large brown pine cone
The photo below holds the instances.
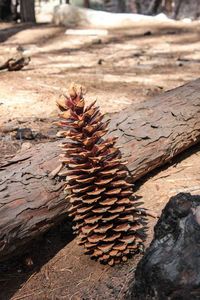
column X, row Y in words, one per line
column 105, row 219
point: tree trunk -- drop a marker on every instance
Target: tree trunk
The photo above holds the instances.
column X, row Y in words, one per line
column 27, row 11
column 186, row 9
column 86, row 3
column 154, row 6
column 117, row 6
column 177, row 8
column 150, row 134
column 5, row 9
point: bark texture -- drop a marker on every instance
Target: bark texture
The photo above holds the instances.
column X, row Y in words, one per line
column 31, row 201
column 153, row 132
column 118, row 6
column 86, row 3
column 15, row 64
column 150, row 134
column 27, row 11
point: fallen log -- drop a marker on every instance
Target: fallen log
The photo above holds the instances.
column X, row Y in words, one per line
column 150, row 134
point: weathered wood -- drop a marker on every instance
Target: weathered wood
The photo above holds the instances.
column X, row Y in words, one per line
column 150, row 134
column 30, row 201
column 27, row 11
column 15, row 64
column 118, row 6
column 153, row 132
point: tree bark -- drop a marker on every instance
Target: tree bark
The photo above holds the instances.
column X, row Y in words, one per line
column 153, row 7
column 86, row 3
column 177, row 8
column 5, row 9
column 117, row 6
column 15, row 64
column 27, row 11
column 150, row 134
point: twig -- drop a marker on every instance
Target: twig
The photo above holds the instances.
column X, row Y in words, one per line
column 66, row 269
column 33, row 293
column 124, row 285
column 15, row 64
column 106, row 269
column 27, row 281
column 49, row 86
column 55, row 171
column 73, row 295
column 150, row 213
column 87, row 279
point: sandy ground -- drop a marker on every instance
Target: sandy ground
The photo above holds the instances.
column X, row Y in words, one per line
column 126, row 66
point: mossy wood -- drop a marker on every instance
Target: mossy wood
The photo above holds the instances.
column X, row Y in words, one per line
column 150, row 134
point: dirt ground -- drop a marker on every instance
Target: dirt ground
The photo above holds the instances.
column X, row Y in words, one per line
column 126, row 66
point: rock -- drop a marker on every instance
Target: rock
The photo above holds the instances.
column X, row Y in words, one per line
column 20, row 48
column 26, row 146
column 6, row 138
column 170, row 267
column 24, row 134
column 101, row 61
column 147, row 33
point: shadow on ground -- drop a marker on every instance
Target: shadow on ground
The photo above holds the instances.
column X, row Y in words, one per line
column 16, row 271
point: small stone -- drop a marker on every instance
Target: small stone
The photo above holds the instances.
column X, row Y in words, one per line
column 26, row 146
column 147, row 33
column 6, row 138
column 24, row 134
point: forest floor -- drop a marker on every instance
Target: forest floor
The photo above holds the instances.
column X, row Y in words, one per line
column 128, row 65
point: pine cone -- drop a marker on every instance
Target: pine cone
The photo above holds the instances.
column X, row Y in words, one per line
column 104, row 217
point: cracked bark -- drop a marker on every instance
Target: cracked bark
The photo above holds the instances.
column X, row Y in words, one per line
column 150, row 134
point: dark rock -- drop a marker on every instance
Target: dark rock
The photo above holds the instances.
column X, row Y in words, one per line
column 100, row 61
column 170, row 267
column 97, row 42
column 20, row 48
column 24, row 134
column 147, row 33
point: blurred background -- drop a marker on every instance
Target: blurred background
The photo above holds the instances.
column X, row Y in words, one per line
column 177, row 9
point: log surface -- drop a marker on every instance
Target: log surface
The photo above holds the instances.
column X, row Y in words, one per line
column 150, row 134
column 153, row 132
